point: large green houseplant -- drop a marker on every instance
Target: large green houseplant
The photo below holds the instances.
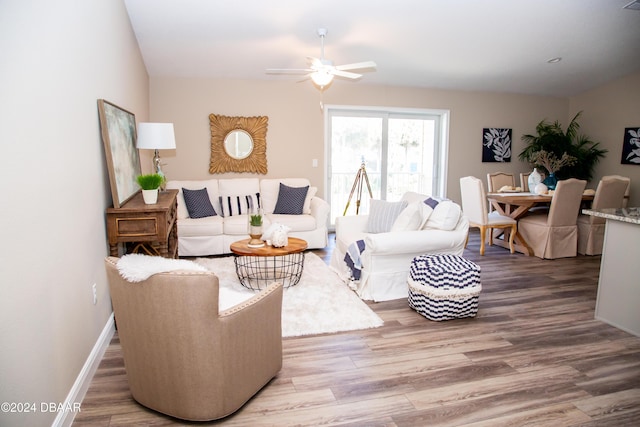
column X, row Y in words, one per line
column 551, row 138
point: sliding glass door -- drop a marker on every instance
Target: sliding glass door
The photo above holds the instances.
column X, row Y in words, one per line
column 397, row 151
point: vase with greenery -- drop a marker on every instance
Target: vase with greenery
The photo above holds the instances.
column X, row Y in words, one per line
column 150, row 184
column 551, row 138
column 255, row 229
column 552, row 164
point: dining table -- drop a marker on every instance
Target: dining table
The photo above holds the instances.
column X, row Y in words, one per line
column 516, row 205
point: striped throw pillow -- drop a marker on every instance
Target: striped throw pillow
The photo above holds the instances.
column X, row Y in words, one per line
column 383, row 214
column 239, row 205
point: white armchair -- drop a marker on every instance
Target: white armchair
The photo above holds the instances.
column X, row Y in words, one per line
column 387, row 256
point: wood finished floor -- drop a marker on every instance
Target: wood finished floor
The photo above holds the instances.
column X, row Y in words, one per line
column 534, row 356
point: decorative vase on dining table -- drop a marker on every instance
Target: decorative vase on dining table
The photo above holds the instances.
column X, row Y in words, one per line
column 550, row 181
column 534, row 179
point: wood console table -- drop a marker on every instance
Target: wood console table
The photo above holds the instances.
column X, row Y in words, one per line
column 150, row 229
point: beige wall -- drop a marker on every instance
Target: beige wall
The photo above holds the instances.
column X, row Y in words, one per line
column 295, row 135
column 58, row 58
column 607, row 111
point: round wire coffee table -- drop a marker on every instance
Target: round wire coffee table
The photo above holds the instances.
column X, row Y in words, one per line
column 257, row 268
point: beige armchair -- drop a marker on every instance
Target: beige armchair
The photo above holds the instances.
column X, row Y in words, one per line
column 609, row 194
column 185, row 359
column 555, row 235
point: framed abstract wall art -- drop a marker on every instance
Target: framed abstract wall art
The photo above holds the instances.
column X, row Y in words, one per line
column 631, row 146
column 496, row 145
column 118, row 129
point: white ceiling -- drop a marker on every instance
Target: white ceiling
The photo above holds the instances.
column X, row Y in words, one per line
column 487, row 45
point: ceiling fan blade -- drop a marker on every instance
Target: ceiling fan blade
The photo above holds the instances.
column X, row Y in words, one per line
column 288, row 70
column 357, row 66
column 312, row 61
column 345, row 74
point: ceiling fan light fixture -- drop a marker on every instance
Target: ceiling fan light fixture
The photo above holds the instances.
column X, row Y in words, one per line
column 322, row 77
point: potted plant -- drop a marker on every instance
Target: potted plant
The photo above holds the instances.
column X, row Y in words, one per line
column 551, row 138
column 150, row 184
column 255, row 230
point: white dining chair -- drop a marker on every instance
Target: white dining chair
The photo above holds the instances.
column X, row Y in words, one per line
column 555, row 234
column 474, row 206
column 609, row 194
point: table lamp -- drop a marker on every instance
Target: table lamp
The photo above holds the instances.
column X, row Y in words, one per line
column 156, row 136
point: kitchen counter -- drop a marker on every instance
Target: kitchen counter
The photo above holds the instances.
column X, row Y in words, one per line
column 618, row 302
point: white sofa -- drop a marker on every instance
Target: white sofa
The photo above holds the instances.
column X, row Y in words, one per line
column 213, row 235
column 387, row 256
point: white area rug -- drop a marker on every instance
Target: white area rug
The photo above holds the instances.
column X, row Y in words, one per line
column 320, row 303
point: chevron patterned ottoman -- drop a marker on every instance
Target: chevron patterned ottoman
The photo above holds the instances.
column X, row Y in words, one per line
column 444, row 287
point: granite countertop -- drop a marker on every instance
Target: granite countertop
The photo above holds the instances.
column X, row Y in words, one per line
column 631, row 215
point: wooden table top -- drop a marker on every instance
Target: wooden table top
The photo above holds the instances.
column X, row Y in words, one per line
column 295, row 245
column 526, row 198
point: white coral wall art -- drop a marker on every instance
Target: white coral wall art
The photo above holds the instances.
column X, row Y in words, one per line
column 496, row 145
column 631, row 146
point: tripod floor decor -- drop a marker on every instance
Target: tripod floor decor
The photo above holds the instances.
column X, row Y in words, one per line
column 357, row 188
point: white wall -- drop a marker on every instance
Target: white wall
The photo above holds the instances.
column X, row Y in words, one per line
column 58, row 58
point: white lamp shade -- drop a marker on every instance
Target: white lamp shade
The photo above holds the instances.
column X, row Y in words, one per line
column 157, row 136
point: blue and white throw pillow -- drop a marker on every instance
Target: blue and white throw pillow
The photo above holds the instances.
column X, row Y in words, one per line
column 239, row 205
column 198, row 203
column 383, row 214
column 291, row 200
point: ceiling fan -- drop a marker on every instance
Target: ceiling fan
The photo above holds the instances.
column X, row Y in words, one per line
column 322, row 71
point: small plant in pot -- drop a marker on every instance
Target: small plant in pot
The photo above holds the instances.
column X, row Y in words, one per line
column 150, row 184
column 255, row 230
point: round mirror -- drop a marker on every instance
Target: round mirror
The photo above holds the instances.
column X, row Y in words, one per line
column 238, row 144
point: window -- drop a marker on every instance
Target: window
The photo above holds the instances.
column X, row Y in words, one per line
column 401, row 150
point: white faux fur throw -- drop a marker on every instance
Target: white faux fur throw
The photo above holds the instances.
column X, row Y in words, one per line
column 139, row 267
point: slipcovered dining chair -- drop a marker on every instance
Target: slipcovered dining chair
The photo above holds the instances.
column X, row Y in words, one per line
column 182, row 357
column 626, row 192
column 474, row 206
column 609, row 194
column 497, row 180
column 555, row 234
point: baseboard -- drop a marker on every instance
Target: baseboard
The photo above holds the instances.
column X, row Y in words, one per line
column 81, row 385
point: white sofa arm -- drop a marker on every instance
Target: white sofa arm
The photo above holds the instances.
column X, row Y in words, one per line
column 427, row 241
column 320, row 211
column 356, row 223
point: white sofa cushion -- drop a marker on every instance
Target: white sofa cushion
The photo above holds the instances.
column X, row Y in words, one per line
column 237, row 225
column 195, row 227
column 445, row 216
column 411, row 218
column 295, row 222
